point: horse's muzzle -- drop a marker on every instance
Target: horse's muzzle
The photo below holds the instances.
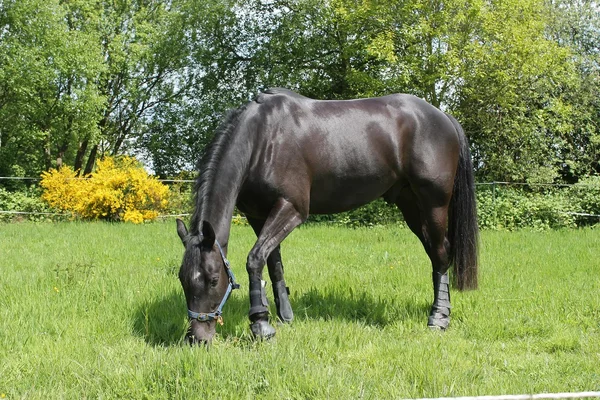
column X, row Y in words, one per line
column 200, row 333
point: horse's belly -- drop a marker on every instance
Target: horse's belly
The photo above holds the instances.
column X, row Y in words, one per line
column 330, row 196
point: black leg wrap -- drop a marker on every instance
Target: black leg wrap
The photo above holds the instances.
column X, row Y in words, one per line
column 282, row 301
column 259, row 305
column 259, row 311
column 439, row 318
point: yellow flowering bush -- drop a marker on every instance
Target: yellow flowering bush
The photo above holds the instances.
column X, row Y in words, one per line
column 119, row 190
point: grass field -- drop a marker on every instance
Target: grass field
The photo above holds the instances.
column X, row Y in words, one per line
column 95, row 310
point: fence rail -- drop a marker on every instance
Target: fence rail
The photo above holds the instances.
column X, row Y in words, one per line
column 539, row 396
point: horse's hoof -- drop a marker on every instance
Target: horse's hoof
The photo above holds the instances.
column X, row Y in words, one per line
column 438, row 322
column 262, row 330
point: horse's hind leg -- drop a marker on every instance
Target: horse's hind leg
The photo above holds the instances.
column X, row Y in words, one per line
column 429, row 224
column 275, row 266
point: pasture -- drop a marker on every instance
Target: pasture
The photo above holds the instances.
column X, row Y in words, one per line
column 95, row 310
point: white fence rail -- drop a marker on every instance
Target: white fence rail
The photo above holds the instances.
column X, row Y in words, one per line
column 539, row 396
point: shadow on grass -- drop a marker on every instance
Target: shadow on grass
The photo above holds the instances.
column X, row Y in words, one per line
column 163, row 321
column 336, row 303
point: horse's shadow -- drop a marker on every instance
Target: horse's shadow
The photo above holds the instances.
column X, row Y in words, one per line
column 357, row 306
column 163, row 321
column 160, row 321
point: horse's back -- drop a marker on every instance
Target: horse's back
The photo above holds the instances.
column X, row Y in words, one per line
column 351, row 151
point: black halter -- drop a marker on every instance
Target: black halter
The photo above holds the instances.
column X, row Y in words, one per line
column 217, row 314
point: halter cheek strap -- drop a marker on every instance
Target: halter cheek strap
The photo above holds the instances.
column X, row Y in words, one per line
column 217, row 314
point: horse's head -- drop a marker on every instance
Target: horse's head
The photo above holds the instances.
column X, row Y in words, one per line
column 206, row 281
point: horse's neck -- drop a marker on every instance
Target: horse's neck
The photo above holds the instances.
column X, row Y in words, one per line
column 224, row 190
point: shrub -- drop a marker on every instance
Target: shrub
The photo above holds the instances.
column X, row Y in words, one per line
column 25, row 200
column 585, row 195
column 514, row 208
column 375, row 213
column 119, row 190
column 180, row 198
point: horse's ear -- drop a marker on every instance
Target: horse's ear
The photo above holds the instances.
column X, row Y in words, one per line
column 181, row 231
column 208, row 234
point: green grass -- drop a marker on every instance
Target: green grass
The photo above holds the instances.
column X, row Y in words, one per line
column 95, row 310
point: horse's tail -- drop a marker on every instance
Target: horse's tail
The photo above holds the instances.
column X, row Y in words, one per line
column 463, row 233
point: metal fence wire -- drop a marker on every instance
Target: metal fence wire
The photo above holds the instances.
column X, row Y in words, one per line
column 31, row 181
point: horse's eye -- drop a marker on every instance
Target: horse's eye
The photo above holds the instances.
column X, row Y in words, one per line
column 214, row 281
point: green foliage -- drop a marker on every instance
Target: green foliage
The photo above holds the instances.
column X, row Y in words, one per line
column 375, row 213
column 510, row 208
column 523, row 87
column 95, row 72
column 586, row 195
column 55, row 103
column 96, row 310
column 500, row 207
column 155, row 77
column 180, row 196
column 25, row 200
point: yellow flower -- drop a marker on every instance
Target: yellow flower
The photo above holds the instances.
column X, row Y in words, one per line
column 56, row 289
column 119, row 189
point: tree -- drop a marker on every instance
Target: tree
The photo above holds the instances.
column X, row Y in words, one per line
column 154, row 78
column 576, row 25
column 513, row 80
column 47, row 96
column 144, row 48
column 95, row 70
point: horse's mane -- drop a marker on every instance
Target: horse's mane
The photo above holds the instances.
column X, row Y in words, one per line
column 209, row 162
column 214, row 151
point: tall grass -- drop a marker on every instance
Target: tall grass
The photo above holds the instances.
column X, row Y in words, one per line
column 95, row 310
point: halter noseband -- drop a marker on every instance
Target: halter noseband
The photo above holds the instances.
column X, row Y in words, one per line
column 217, row 314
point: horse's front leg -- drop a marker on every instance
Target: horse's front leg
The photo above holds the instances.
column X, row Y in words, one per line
column 283, row 218
column 275, row 266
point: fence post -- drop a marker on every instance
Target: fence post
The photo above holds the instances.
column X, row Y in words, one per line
column 494, row 203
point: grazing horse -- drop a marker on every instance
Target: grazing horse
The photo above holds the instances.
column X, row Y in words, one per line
column 283, row 156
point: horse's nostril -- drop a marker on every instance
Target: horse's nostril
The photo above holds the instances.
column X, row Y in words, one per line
column 193, row 340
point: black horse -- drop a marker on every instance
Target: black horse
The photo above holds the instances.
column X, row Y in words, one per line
column 283, row 156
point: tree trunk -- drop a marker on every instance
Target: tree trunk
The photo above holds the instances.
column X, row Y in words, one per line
column 61, row 155
column 79, row 157
column 91, row 161
column 47, row 153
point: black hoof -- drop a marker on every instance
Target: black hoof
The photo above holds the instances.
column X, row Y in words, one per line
column 262, row 330
column 438, row 322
